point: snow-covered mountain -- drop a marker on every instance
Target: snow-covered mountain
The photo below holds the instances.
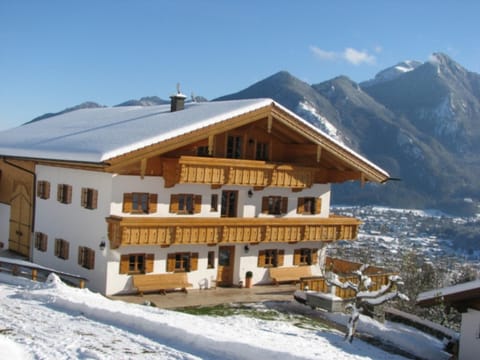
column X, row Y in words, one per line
column 418, row 120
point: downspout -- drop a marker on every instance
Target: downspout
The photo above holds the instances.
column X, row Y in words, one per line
column 34, row 198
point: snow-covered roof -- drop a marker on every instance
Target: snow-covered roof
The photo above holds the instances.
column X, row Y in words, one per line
column 451, row 290
column 97, row 135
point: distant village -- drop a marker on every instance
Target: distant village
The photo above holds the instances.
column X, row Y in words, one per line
column 387, row 235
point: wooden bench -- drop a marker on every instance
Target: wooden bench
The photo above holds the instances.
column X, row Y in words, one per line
column 289, row 274
column 161, row 282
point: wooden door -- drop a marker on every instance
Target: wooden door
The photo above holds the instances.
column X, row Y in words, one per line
column 229, row 203
column 20, row 220
column 226, row 262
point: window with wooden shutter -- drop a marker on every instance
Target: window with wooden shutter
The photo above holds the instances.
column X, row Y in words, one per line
column 280, row 257
column 193, row 261
column 43, row 189
column 171, row 262
column 62, row 249
column 309, row 205
column 198, row 204
column 41, row 241
column 314, row 256
column 86, row 257
column 127, row 203
column 149, row 261
column 274, row 205
column 89, row 198
column 124, row 261
column 152, row 203
column 214, row 202
column 135, row 263
column 64, row 193
column 174, row 203
column 211, row 260
column 296, row 257
column 318, row 205
column 261, row 258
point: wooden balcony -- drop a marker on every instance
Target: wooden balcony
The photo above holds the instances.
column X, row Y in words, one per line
column 220, row 171
column 128, row 231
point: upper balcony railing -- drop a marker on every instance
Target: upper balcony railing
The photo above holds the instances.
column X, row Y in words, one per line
column 221, row 171
column 127, row 231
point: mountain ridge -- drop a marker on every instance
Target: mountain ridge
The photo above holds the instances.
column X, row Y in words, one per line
column 416, row 120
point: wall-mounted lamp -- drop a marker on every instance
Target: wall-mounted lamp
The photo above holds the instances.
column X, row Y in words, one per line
column 250, row 193
column 246, row 248
column 102, row 245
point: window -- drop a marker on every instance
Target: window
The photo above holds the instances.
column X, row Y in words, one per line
column 309, row 205
column 234, row 147
column 274, row 205
column 202, row 151
column 41, row 241
column 214, row 202
column 61, row 249
column 211, row 260
column 136, row 263
column 86, row 257
column 261, row 152
column 185, row 204
column 270, row 258
column 43, row 189
column 89, row 198
column 64, row 193
column 305, row 256
column 139, row 203
column 182, row 262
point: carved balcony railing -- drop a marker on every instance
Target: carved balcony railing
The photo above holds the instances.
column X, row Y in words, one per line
column 127, row 231
column 220, row 171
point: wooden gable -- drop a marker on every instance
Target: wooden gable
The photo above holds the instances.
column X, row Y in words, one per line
column 278, row 134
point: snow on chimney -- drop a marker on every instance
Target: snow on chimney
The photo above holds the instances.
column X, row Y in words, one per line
column 177, row 101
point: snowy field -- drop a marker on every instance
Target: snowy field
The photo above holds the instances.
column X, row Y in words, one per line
column 53, row 321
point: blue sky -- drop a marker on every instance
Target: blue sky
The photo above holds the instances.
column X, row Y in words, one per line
column 56, row 54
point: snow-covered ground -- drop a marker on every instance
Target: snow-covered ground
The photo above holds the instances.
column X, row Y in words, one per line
column 53, row 321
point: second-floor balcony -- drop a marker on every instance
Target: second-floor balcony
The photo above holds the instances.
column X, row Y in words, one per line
column 166, row 231
column 221, row 171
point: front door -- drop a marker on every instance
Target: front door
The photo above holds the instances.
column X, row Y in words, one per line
column 229, row 203
column 226, row 256
column 20, row 216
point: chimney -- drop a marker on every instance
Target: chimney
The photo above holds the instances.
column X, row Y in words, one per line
column 177, row 101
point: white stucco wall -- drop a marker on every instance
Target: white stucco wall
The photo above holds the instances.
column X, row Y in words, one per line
column 4, row 224
column 470, row 335
column 73, row 223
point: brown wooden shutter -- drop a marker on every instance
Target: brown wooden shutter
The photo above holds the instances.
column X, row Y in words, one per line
column 314, row 256
column 149, row 260
column 280, row 257
column 66, row 250
column 68, row 199
column 193, row 261
column 318, row 205
column 46, row 190
column 91, row 259
column 300, row 205
column 171, row 262
column 284, row 205
column 174, row 203
column 94, row 199
column 124, row 264
column 296, row 257
column 59, row 192
column 40, row 188
column 80, row 255
column 152, row 203
column 44, row 242
column 197, row 200
column 265, row 205
column 84, row 199
column 261, row 258
column 127, row 202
